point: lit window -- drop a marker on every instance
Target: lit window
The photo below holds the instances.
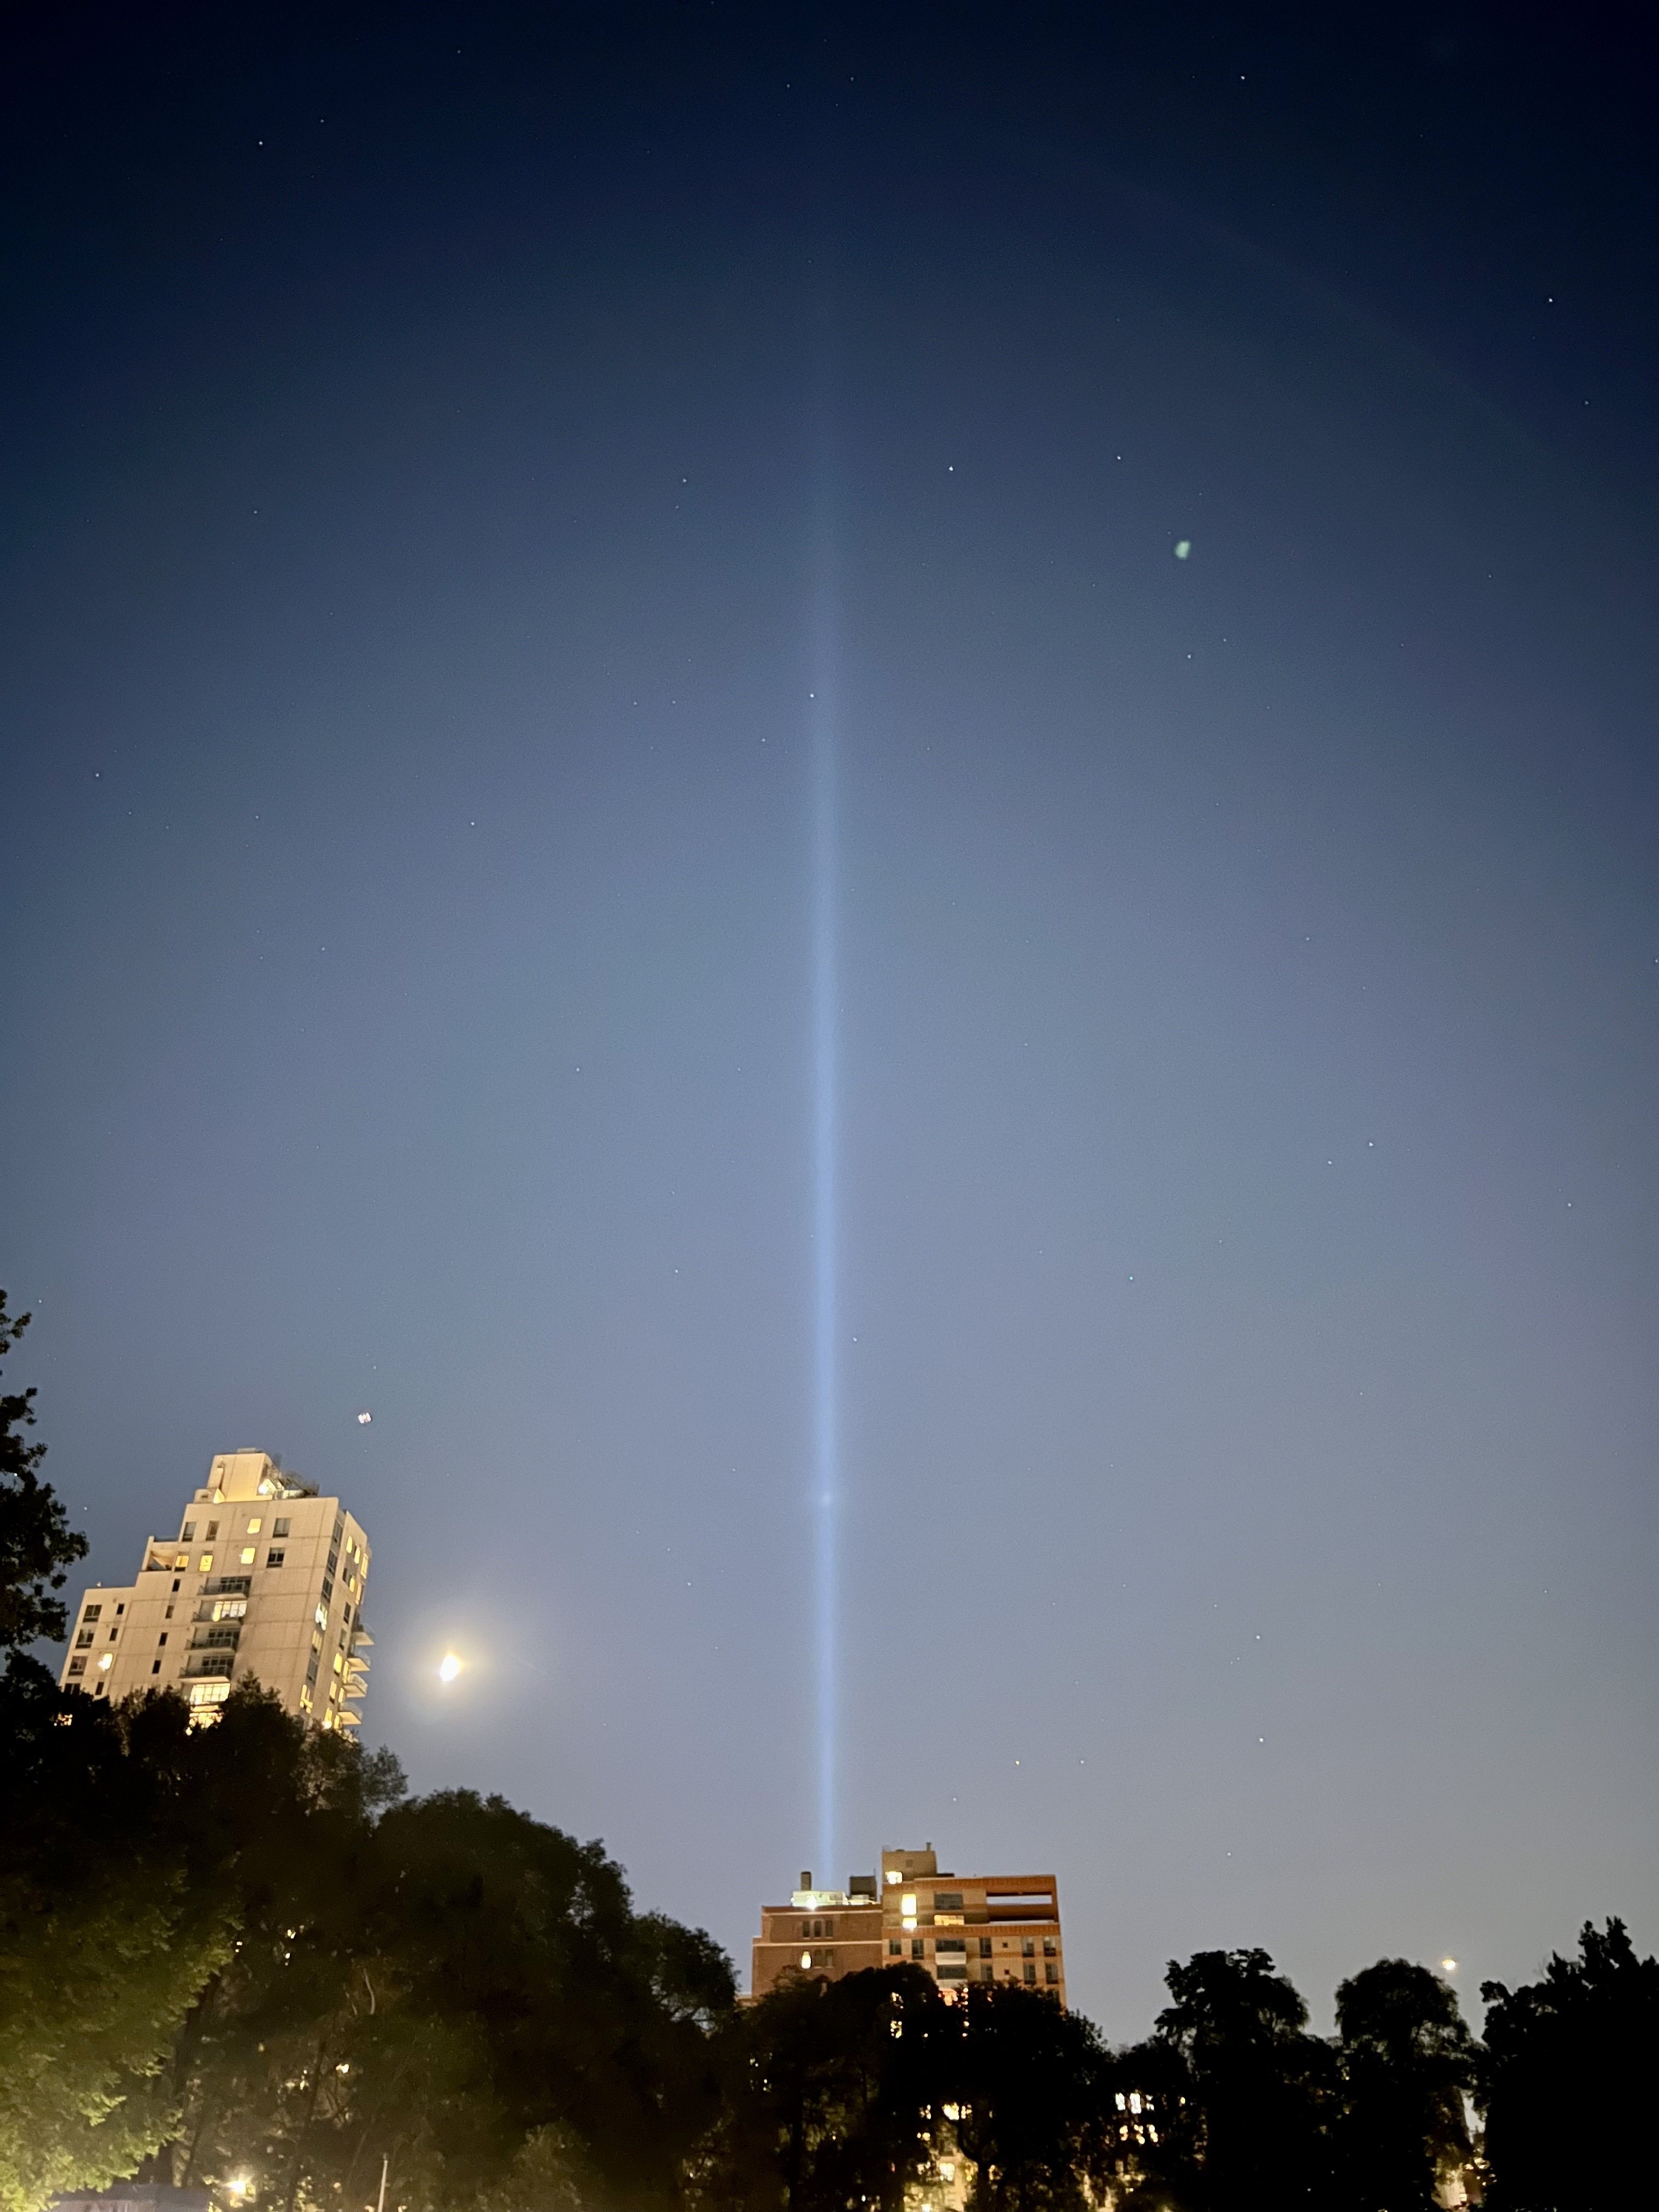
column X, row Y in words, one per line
column 106, row 1663
column 806, row 1959
column 254, row 1526
column 894, row 1877
column 209, row 1693
column 206, row 1567
column 181, row 1560
column 947, row 2169
column 1134, row 2100
column 249, row 1552
column 908, row 1907
column 321, row 1616
column 1051, row 1949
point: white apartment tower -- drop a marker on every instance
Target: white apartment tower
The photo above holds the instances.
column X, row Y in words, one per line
column 264, row 1580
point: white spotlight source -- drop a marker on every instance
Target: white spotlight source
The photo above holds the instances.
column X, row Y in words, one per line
column 1183, row 548
column 1448, row 1966
column 364, row 1419
column 448, row 1668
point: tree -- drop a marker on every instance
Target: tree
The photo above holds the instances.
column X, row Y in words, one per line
column 104, row 1943
column 831, row 2091
column 36, row 1545
column 1151, row 2128
column 1253, row 2130
column 1569, row 2066
column 1406, row 2060
column 1034, row 2094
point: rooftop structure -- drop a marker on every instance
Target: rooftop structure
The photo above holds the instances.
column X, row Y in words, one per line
column 264, row 1580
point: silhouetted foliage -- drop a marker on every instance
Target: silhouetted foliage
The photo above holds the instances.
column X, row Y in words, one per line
column 104, row 1942
column 1254, row 2130
column 36, row 1542
column 1032, row 2083
column 1406, row 2060
column 829, row 2088
column 242, row 1950
column 1569, row 2064
column 1153, row 2138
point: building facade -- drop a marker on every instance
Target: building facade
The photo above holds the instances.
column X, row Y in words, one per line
column 958, row 1928
column 264, row 1580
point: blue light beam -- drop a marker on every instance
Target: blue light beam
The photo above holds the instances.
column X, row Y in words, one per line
column 826, row 1081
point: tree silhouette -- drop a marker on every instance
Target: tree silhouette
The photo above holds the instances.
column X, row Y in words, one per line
column 37, row 1544
column 1406, row 2060
column 1261, row 2087
column 1570, row 2063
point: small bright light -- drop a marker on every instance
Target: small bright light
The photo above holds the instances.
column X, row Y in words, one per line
column 907, row 1905
column 894, row 1877
column 239, row 2185
column 805, row 1959
column 106, row 1663
column 448, row 1668
column 1183, row 547
column 363, row 1420
column 1448, row 1966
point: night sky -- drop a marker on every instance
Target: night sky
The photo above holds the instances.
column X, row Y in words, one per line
column 606, row 734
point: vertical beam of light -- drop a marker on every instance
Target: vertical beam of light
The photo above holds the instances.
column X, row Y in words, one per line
column 826, row 1076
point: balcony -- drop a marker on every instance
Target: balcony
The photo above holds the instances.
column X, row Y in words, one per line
column 210, row 1666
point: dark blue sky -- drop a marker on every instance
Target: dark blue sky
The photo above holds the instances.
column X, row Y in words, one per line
column 413, row 424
